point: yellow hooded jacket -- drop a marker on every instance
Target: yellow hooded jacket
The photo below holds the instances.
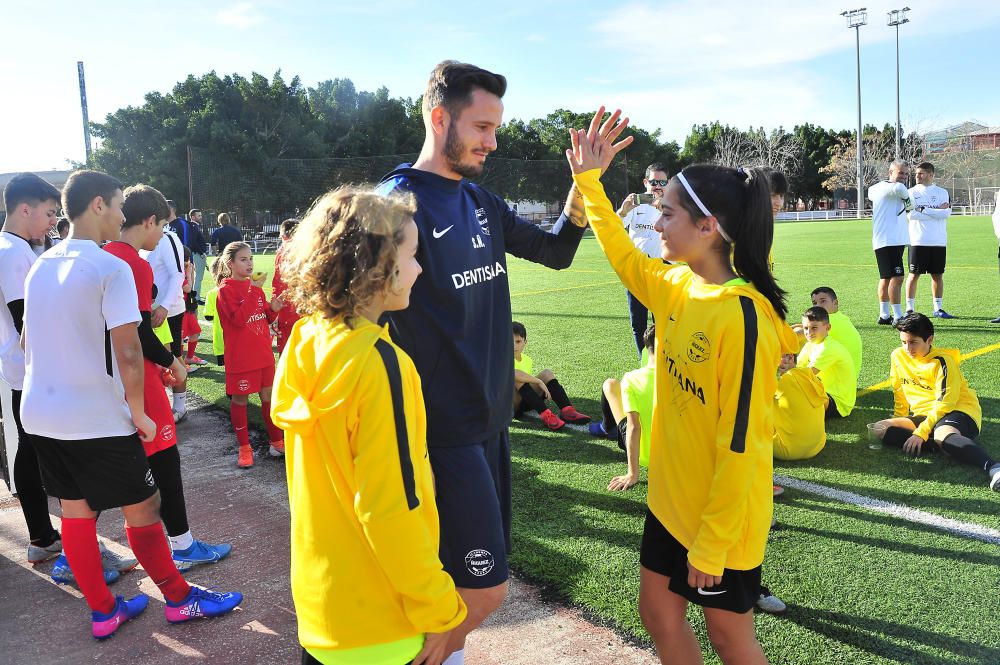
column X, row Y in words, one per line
column 799, row 415
column 932, row 386
column 365, row 534
column 718, row 351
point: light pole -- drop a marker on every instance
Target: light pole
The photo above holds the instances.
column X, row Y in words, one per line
column 855, row 19
column 897, row 17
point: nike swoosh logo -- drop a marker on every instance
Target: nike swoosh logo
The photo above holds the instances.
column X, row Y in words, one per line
column 710, row 593
column 671, row 317
column 438, row 234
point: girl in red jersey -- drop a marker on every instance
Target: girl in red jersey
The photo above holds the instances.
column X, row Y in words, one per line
column 246, row 314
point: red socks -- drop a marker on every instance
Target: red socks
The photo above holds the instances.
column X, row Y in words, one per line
column 238, row 416
column 192, row 345
column 79, row 536
column 151, row 549
column 273, row 433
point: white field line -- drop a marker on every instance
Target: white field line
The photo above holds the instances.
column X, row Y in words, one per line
column 954, row 527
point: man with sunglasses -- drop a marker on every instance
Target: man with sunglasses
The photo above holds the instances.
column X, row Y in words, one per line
column 639, row 218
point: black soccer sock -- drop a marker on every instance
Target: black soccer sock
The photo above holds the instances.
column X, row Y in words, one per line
column 166, row 469
column 896, row 436
column 531, row 400
column 966, row 450
column 558, row 393
column 608, row 421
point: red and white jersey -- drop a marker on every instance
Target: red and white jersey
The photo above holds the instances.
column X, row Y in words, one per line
column 246, row 316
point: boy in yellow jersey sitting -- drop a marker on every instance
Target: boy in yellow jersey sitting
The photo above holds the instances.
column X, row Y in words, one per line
column 800, row 405
column 627, row 406
column 531, row 391
column 830, row 361
column 934, row 407
column 841, row 327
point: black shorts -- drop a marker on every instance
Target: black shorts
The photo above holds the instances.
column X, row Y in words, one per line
column 109, row 472
column 176, row 324
column 890, row 261
column 661, row 553
column 960, row 420
column 622, row 430
column 473, row 502
column 924, row 259
column 220, row 360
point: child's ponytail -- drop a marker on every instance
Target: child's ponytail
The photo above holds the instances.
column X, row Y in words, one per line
column 752, row 250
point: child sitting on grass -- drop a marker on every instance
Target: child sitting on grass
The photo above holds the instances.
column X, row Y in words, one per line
column 830, row 361
column 934, row 407
column 531, row 391
column 360, row 486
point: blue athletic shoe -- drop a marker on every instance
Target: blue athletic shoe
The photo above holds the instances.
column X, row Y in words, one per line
column 104, row 625
column 597, row 429
column 62, row 574
column 941, row 314
column 202, row 603
column 200, row 552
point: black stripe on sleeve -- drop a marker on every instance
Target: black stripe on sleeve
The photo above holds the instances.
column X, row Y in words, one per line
column 177, row 258
column 391, row 363
column 944, row 379
column 108, row 366
column 739, row 442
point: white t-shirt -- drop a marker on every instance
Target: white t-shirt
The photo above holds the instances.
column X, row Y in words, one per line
column 996, row 216
column 929, row 227
column 16, row 257
column 639, row 222
column 890, row 201
column 167, row 261
column 75, row 293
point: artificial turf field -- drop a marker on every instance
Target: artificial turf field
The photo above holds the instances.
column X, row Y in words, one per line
column 862, row 586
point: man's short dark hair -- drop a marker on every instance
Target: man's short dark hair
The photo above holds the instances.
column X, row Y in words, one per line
column 649, row 337
column 777, row 181
column 816, row 314
column 141, row 202
column 28, row 188
column 824, row 289
column 288, row 227
column 654, row 167
column 62, row 225
column 917, row 324
column 926, row 166
column 192, row 212
column 172, row 206
column 520, row 330
column 452, row 83
column 84, row 186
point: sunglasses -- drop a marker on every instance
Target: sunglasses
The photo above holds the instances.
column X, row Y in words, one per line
column 658, row 183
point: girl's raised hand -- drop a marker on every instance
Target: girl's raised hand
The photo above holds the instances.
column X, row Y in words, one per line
column 596, row 147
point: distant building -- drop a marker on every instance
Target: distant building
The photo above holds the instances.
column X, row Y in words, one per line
column 965, row 137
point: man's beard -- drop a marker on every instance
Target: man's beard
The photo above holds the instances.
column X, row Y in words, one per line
column 454, row 150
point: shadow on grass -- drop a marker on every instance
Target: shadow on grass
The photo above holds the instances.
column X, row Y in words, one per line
column 885, row 639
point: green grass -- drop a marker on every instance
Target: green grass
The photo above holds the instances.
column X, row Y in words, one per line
column 861, row 587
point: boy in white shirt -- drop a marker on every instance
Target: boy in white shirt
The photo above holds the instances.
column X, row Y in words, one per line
column 890, row 201
column 928, row 238
column 167, row 261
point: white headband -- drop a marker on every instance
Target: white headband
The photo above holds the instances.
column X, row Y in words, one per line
column 702, row 207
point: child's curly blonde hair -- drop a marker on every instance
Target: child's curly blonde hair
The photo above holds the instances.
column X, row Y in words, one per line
column 345, row 251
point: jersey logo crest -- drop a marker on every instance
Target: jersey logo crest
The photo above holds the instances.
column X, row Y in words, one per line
column 699, row 347
column 483, row 221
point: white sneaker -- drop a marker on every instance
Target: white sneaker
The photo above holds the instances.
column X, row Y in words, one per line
column 770, row 603
column 112, row 561
column 38, row 554
column 995, row 478
column 180, row 415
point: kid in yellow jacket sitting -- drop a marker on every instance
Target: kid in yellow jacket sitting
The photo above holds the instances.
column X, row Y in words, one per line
column 933, row 403
column 720, row 334
column 366, row 579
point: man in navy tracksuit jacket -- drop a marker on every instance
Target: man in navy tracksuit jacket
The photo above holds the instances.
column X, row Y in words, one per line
column 457, row 327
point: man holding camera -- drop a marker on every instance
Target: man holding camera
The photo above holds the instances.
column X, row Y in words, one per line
column 639, row 214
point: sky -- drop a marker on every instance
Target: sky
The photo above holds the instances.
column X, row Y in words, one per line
column 667, row 64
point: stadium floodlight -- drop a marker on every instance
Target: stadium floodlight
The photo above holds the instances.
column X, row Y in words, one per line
column 855, row 19
column 897, row 17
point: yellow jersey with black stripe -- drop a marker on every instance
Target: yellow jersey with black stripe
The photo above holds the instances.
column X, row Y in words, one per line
column 365, row 535
column 718, row 350
column 932, row 386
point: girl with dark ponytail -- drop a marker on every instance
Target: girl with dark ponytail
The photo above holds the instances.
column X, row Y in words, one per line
column 720, row 334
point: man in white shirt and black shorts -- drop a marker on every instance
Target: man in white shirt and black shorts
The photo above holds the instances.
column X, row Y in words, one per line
column 890, row 235
column 83, row 402
column 167, row 261
column 639, row 217
column 928, row 238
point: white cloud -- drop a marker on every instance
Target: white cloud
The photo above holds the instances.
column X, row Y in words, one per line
column 243, row 15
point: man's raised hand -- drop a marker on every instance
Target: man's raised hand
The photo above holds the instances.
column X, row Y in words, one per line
column 596, row 148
